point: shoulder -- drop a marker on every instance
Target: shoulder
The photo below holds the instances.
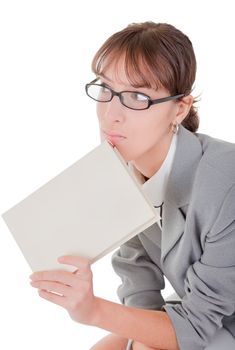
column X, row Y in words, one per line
column 218, row 158
column 213, row 192
column 214, row 180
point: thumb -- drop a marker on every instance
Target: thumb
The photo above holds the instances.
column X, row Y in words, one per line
column 83, row 264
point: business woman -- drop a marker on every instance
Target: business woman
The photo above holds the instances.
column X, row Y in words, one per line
column 144, row 79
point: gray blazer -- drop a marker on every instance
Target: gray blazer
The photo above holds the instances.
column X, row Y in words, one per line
column 196, row 248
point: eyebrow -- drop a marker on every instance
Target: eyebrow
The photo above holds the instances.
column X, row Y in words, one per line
column 102, row 75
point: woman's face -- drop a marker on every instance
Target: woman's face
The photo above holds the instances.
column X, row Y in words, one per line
column 143, row 133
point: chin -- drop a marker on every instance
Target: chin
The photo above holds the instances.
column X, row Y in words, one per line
column 125, row 154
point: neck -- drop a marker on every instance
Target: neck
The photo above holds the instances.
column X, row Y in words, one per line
column 150, row 162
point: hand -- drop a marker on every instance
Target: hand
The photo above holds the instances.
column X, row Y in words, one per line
column 71, row 290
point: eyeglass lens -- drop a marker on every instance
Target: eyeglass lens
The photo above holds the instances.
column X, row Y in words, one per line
column 130, row 99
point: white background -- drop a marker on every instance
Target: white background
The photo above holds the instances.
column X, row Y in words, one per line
column 47, row 123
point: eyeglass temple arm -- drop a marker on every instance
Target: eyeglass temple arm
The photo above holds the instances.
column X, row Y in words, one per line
column 165, row 99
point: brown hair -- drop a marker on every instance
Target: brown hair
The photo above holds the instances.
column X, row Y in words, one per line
column 156, row 54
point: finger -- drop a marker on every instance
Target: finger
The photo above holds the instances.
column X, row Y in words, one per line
column 83, row 264
column 61, row 276
column 54, row 298
column 53, row 287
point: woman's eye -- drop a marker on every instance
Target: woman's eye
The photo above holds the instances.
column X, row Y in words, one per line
column 138, row 97
column 104, row 89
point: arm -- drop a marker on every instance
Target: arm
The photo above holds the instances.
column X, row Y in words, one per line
column 152, row 328
column 209, row 284
column 142, row 279
column 74, row 292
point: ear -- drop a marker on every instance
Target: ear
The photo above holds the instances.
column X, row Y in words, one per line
column 183, row 106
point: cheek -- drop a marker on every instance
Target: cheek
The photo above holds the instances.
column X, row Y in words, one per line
column 153, row 127
column 143, row 131
column 145, row 134
column 99, row 110
column 140, row 138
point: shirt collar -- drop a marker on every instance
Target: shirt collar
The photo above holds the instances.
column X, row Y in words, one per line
column 155, row 186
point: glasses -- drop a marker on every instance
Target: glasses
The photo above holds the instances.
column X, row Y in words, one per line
column 135, row 100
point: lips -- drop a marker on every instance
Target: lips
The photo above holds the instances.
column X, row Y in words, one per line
column 113, row 134
column 113, row 137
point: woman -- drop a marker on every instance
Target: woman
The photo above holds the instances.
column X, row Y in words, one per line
column 144, row 79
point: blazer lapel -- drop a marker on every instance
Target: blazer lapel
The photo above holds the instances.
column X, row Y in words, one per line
column 172, row 228
column 187, row 157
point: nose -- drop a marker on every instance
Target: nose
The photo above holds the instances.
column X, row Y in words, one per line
column 113, row 110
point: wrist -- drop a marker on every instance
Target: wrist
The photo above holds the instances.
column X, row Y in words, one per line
column 95, row 315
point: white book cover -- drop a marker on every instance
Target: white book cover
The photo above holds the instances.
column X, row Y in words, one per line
column 89, row 209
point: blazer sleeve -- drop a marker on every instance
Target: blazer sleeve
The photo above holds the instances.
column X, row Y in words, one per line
column 209, row 284
column 142, row 280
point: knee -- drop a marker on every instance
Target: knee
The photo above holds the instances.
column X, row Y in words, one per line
column 140, row 346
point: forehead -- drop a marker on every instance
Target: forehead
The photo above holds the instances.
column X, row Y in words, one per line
column 134, row 73
column 114, row 71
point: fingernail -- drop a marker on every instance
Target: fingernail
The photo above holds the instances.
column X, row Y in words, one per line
column 61, row 258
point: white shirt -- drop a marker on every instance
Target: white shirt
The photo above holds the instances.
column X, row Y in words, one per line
column 155, row 186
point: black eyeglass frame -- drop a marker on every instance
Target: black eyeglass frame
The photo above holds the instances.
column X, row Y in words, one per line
column 119, row 94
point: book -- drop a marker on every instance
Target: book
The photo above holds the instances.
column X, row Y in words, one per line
column 89, row 209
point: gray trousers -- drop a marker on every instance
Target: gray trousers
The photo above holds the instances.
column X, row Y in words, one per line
column 223, row 340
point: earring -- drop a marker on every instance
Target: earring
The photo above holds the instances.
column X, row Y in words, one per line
column 175, row 128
